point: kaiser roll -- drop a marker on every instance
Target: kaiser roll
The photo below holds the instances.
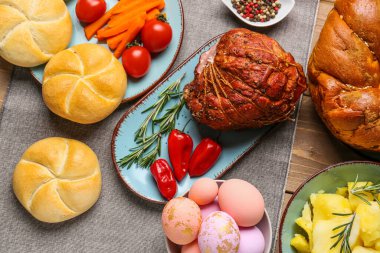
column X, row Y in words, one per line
column 32, row 31
column 344, row 73
column 84, row 84
column 57, row 179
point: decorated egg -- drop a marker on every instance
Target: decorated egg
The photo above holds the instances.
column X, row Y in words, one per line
column 210, row 208
column 219, row 233
column 251, row 240
column 181, row 220
column 204, row 191
column 191, row 248
column 242, row 201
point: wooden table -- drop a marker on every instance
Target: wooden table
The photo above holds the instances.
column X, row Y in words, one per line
column 314, row 148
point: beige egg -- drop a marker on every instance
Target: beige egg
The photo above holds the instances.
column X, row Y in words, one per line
column 181, row 220
column 204, row 191
column 242, row 201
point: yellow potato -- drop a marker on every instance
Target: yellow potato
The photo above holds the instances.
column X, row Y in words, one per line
column 355, row 201
column 342, row 191
column 324, row 205
column 369, row 223
column 306, row 223
column 300, row 243
column 360, row 249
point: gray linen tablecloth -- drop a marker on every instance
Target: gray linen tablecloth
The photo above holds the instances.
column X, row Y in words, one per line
column 120, row 221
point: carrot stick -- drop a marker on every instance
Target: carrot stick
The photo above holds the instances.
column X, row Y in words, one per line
column 111, row 31
column 129, row 36
column 91, row 29
column 130, row 6
column 122, row 17
column 152, row 14
column 114, row 41
column 162, row 5
column 142, row 6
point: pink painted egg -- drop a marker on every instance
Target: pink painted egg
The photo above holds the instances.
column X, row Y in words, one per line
column 210, row 208
column 251, row 240
column 219, row 233
column 181, row 220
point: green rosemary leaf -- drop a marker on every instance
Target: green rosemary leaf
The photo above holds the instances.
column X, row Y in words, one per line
column 148, row 142
column 344, row 235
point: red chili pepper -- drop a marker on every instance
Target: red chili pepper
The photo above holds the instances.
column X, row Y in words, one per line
column 165, row 180
column 204, row 157
column 180, row 146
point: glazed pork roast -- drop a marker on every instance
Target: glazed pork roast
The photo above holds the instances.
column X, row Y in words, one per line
column 246, row 81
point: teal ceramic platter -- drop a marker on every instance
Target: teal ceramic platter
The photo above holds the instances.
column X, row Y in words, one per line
column 235, row 143
column 161, row 63
column 328, row 180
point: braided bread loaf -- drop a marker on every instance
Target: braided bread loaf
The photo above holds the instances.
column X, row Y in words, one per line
column 57, row 179
column 32, row 31
column 344, row 73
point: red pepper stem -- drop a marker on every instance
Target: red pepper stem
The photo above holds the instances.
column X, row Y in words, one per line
column 183, row 129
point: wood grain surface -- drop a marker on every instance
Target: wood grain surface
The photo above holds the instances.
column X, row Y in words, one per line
column 314, row 148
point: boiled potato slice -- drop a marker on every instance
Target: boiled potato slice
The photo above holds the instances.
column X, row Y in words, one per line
column 300, row 243
column 305, row 223
column 360, row 249
column 355, row 201
column 342, row 191
column 324, row 205
column 369, row 223
column 324, row 231
column 377, row 245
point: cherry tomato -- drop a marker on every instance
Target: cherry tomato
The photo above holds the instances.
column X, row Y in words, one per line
column 89, row 11
column 156, row 35
column 136, row 61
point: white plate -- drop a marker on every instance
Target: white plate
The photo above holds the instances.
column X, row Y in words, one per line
column 286, row 7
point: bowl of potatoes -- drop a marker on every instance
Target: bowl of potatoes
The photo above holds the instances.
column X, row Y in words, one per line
column 336, row 210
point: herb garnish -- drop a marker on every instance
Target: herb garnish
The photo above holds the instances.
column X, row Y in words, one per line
column 359, row 191
column 149, row 142
column 344, row 235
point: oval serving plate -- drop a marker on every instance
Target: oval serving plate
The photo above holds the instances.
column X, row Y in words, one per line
column 327, row 180
column 264, row 225
column 235, row 143
column 161, row 63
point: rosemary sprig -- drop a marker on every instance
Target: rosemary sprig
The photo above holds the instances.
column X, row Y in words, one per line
column 344, row 235
column 149, row 142
column 359, row 191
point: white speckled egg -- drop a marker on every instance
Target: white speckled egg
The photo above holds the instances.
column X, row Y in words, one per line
column 219, row 233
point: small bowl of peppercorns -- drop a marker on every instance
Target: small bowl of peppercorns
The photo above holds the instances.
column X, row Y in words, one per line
column 260, row 13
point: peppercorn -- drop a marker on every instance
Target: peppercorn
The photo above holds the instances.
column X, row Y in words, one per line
column 257, row 10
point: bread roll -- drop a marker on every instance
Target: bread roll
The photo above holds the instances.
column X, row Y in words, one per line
column 84, row 84
column 344, row 73
column 57, row 179
column 32, row 31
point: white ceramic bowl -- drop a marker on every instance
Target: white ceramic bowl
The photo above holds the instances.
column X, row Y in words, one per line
column 286, row 7
column 264, row 226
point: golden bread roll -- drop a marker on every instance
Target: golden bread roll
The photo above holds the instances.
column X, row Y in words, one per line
column 32, row 31
column 84, row 84
column 344, row 73
column 57, row 179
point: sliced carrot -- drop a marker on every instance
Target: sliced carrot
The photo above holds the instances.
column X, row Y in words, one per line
column 114, row 41
column 128, row 37
column 142, row 6
column 130, row 6
column 152, row 14
column 112, row 31
column 162, row 5
column 120, row 18
column 91, row 29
